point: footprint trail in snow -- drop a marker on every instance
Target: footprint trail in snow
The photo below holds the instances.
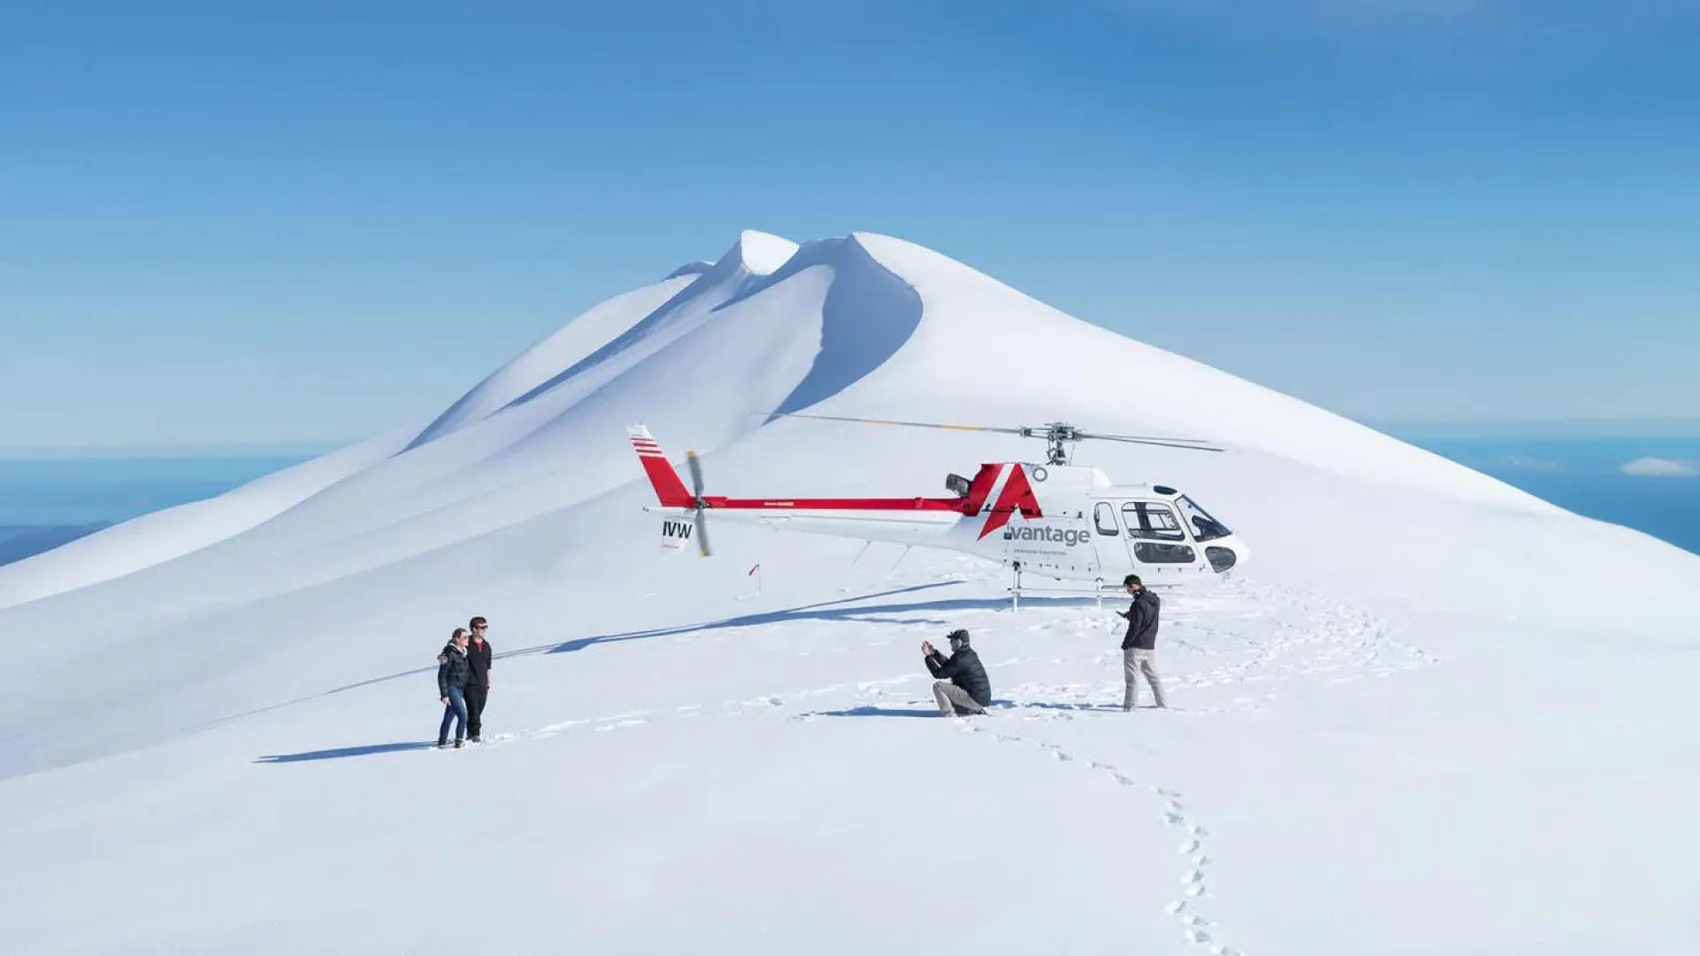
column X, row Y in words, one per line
column 1251, row 644
column 1196, row 927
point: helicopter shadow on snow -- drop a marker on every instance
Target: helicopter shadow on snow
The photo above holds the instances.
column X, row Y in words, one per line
column 824, row 610
column 838, row 609
column 841, row 609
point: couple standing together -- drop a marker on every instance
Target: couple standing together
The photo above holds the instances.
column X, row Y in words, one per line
column 463, row 682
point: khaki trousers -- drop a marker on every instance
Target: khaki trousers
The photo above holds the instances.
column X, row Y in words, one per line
column 952, row 698
column 1136, row 662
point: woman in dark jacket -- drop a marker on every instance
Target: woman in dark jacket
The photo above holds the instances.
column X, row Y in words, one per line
column 453, row 671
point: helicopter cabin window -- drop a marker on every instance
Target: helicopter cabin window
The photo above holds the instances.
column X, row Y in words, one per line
column 1152, row 521
column 1151, row 552
column 1104, row 516
column 1204, row 527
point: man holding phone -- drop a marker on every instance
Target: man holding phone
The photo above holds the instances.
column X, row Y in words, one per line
column 1139, row 646
column 962, row 684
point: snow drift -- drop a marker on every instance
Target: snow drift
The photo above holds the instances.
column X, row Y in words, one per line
column 1386, row 715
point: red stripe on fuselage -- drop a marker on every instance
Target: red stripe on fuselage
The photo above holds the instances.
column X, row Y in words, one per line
column 838, row 504
column 1016, row 495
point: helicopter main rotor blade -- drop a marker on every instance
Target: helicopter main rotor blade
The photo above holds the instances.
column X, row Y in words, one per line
column 1167, row 438
column 1191, row 444
column 884, row 421
column 1041, row 431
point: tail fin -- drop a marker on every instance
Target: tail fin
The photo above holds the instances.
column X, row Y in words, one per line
column 669, row 490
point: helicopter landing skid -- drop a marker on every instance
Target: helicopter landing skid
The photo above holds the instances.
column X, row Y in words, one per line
column 1017, row 589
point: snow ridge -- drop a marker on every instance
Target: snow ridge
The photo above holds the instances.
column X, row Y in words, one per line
column 566, row 346
column 753, row 257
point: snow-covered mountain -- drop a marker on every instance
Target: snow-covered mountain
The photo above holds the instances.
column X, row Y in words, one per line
column 1434, row 715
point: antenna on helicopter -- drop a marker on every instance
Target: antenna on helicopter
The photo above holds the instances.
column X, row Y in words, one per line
column 1058, row 436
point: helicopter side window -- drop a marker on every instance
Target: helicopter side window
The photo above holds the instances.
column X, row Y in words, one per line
column 1151, row 521
column 1104, row 516
column 1204, row 527
column 1150, row 552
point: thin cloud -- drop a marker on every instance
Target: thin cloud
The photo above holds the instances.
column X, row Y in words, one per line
column 1660, row 468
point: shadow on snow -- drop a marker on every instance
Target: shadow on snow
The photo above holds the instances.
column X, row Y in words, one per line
column 838, row 609
column 868, row 710
column 825, row 611
column 341, row 752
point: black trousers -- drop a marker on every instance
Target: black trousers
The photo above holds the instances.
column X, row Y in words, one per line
column 476, row 695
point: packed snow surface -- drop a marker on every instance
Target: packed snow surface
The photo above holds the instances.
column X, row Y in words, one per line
column 1432, row 715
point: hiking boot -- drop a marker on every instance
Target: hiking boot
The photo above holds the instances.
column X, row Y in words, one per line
column 458, row 743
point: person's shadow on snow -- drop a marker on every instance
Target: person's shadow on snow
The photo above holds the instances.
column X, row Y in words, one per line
column 872, row 711
column 868, row 710
column 339, row 752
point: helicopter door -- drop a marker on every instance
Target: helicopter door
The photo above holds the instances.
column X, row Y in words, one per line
column 1156, row 538
column 1108, row 539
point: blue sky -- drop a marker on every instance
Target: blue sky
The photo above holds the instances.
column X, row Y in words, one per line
column 228, row 223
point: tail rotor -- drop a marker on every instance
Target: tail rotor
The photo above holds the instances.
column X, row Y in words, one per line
column 696, row 494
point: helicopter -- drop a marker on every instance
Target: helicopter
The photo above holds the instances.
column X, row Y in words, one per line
column 1055, row 519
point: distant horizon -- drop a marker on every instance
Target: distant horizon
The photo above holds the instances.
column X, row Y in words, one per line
column 1668, row 426
column 285, row 449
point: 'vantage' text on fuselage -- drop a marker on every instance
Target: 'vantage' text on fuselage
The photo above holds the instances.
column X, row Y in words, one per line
column 1069, row 537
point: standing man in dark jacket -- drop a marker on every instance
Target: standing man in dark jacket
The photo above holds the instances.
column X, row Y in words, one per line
column 1140, row 644
column 962, row 684
column 453, row 672
column 478, row 688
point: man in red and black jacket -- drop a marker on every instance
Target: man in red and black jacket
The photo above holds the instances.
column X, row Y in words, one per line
column 478, row 686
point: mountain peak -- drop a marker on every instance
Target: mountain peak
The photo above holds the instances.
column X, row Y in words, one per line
column 761, row 253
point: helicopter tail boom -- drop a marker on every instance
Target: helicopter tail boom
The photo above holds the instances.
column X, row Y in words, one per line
column 670, row 490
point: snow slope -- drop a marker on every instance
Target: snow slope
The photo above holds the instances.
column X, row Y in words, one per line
column 161, row 536
column 1434, row 715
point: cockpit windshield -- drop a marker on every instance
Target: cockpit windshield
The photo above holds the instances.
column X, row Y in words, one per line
column 1204, row 527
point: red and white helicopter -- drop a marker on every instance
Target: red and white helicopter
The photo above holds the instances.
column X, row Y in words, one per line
column 1063, row 521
